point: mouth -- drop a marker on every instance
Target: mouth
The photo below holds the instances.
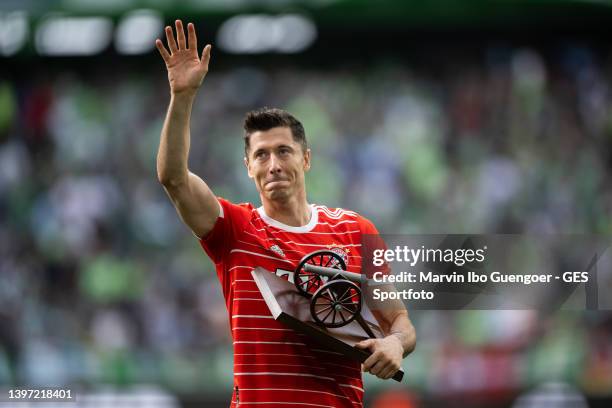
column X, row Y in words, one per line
column 275, row 183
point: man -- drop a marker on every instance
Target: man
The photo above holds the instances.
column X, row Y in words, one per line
column 273, row 365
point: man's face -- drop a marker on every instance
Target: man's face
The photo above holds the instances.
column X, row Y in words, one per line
column 277, row 163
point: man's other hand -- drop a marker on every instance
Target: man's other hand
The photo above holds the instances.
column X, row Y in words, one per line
column 386, row 356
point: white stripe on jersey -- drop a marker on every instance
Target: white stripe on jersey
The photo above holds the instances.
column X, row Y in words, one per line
column 257, row 299
column 250, row 243
column 263, row 328
column 283, row 239
column 279, row 364
column 262, row 255
column 242, row 280
column 270, row 354
column 295, row 389
column 340, row 365
column 294, row 374
column 322, row 246
column 309, row 232
column 269, row 342
column 351, row 386
column 240, row 266
column 338, row 213
column 284, row 403
column 341, row 222
column 345, row 376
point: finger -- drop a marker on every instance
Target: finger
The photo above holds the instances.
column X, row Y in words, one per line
column 365, row 344
column 387, row 372
column 371, row 361
column 162, row 50
column 180, row 34
column 380, row 365
column 191, row 36
column 170, row 39
column 206, row 56
column 377, row 368
column 393, row 371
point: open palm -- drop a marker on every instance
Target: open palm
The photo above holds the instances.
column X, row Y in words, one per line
column 186, row 70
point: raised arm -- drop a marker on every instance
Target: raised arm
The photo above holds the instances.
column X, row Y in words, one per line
column 194, row 201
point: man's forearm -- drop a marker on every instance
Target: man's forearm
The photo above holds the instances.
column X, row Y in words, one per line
column 404, row 331
column 173, row 153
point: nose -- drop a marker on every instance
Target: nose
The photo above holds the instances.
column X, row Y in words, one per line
column 275, row 167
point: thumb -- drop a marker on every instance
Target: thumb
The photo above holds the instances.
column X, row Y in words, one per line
column 365, row 344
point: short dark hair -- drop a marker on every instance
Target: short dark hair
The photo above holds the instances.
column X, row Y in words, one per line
column 267, row 118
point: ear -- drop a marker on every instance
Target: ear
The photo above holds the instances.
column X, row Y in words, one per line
column 307, row 160
column 248, row 167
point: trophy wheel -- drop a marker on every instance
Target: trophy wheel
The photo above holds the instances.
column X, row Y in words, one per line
column 308, row 282
column 336, row 303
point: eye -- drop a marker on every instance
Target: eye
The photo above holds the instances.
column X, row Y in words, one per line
column 260, row 154
column 284, row 151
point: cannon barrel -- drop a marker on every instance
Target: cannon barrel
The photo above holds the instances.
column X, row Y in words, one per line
column 331, row 272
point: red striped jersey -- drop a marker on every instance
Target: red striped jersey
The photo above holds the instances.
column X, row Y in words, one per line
column 274, row 365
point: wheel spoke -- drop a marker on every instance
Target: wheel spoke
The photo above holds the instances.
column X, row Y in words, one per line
column 310, row 282
column 323, row 309
column 327, row 315
column 331, row 258
column 349, row 310
column 312, row 278
column 331, row 295
column 341, row 298
column 350, row 295
column 334, row 316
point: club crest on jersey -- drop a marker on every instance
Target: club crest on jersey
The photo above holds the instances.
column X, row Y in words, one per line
column 277, row 250
column 339, row 250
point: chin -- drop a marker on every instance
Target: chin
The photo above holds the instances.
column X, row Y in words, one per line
column 278, row 195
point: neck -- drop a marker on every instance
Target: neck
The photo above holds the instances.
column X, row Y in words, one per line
column 294, row 212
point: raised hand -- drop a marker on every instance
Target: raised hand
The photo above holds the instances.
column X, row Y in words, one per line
column 186, row 70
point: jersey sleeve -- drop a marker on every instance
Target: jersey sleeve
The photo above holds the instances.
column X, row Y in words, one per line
column 219, row 241
column 373, row 262
column 373, row 246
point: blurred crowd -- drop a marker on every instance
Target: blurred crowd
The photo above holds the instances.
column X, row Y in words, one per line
column 101, row 283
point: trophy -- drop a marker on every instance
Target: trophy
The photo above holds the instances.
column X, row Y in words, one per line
column 325, row 302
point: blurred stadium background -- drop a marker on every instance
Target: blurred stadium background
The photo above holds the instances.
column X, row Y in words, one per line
column 428, row 117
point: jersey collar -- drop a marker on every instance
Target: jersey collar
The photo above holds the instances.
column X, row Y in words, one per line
column 314, row 219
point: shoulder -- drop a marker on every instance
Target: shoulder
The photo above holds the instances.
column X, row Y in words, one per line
column 342, row 215
column 232, row 210
column 335, row 213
